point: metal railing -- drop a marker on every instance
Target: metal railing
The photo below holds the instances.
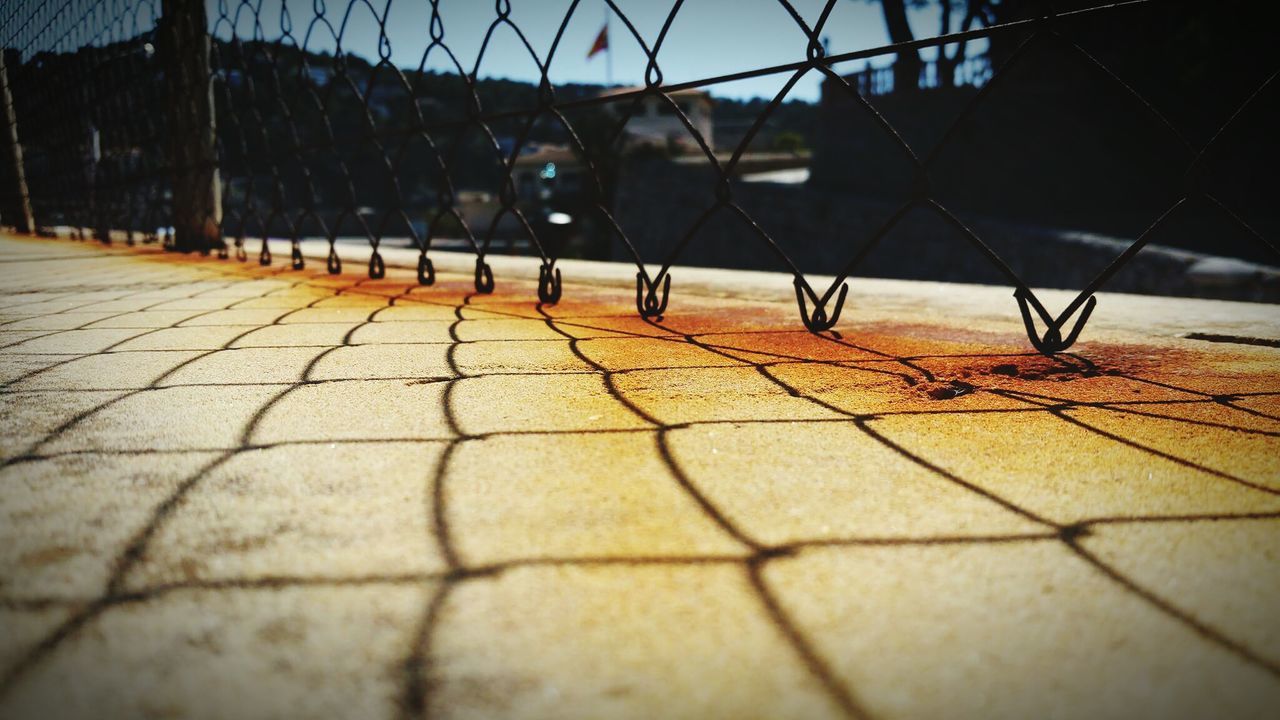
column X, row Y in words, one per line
column 171, row 120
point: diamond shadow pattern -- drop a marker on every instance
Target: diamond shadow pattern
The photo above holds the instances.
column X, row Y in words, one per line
column 493, row 533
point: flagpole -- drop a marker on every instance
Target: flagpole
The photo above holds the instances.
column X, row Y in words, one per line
column 608, row 49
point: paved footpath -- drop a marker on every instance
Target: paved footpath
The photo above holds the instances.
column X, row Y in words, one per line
column 231, row 491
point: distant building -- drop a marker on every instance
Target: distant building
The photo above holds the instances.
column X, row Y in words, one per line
column 656, row 122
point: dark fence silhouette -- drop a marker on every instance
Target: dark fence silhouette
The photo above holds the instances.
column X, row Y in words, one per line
column 874, row 81
column 176, row 122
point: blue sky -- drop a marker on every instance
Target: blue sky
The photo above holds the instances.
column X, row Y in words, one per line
column 708, row 37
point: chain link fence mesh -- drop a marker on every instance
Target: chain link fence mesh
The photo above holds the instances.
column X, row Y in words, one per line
column 249, row 119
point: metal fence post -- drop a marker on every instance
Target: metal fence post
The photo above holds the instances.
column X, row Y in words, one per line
column 197, row 203
column 26, row 219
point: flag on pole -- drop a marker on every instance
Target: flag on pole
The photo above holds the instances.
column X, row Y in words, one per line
column 601, row 43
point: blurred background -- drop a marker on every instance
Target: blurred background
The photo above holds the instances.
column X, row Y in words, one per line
column 409, row 122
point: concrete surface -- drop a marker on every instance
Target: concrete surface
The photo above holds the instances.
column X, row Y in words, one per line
column 240, row 492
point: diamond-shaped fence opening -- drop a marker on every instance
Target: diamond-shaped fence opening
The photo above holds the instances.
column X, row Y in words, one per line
column 394, row 122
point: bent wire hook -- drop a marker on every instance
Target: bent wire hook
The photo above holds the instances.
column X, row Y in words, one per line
column 1052, row 341
column 647, row 301
column 818, row 321
column 549, row 287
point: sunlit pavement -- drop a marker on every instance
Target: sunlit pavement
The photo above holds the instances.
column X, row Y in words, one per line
column 243, row 491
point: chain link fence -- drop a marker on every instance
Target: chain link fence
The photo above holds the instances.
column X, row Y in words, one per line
column 247, row 119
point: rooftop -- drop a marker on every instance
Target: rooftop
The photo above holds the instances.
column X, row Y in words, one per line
column 234, row 490
column 546, row 152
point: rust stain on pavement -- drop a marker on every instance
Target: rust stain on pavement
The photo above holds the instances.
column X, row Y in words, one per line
column 240, row 490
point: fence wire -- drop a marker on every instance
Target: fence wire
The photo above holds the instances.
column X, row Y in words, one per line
column 323, row 135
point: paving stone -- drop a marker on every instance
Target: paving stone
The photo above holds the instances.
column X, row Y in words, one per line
column 714, row 395
column 85, row 302
column 1252, row 372
column 208, row 287
column 530, row 356
column 515, row 303
column 713, row 315
column 57, row 321
column 797, row 482
column 199, row 303
column 588, row 302
column 789, row 344
column 1036, row 377
column 406, row 409
column 22, row 629
column 610, row 326
column 150, row 318
column 1189, row 564
column 1248, row 415
column 329, row 315
column 75, row 341
column 1078, row 474
column 593, row 327
column 348, row 301
column 301, row 287
column 417, row 311
column 238, row 316
column 1267, row 405
column 396, row 285
column 65, row 520
column 344, row 510
column 291, row 299
column 246, row 365
column 297, row 335
column 249, row 288
column 1251, row 457
column 636, row 353
column 600, row 496
column 370, row 362
column 210, row 417
column 108, row 371
column 15, row 299
column 11, row 341
column 186, row 338
column 506, row 329
column 16, row 365
column 127, row 303
column 30, row 418
column 1014, row 630
column 873, row 388
column 292, row 652
column 407, row 331
column 625, row 640
column 499, row 403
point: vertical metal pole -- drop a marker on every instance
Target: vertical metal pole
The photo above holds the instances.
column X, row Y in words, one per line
column 97, row 214
column 26, row 219
column 197, row 202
